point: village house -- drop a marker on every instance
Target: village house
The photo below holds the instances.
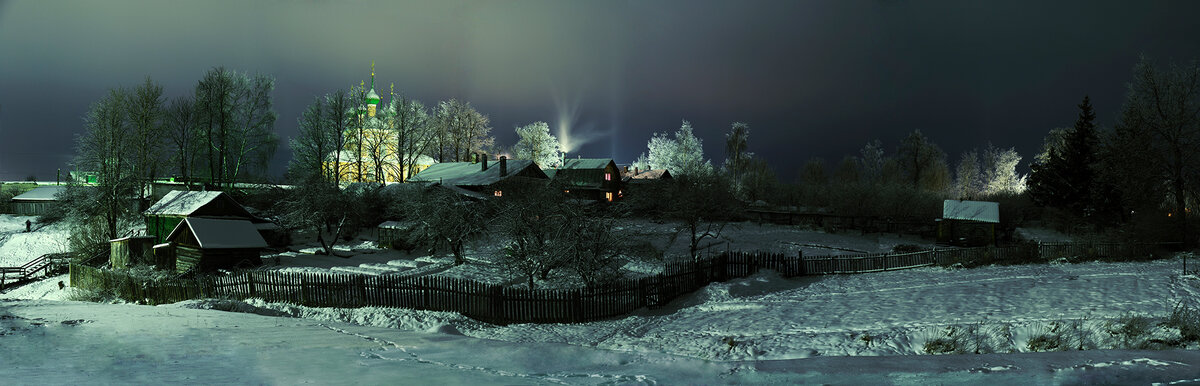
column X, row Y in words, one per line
column 206, row 244
column 165, row 215
column 596, row 179
column 481, row 179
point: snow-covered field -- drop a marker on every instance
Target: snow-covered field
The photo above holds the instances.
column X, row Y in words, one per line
column 760, row 329
column 18, row 247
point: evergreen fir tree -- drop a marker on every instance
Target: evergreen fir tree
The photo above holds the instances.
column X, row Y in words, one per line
column 1079, row 162
column 1066, row 177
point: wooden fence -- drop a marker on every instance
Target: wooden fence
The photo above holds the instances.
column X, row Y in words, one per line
column 502, row 305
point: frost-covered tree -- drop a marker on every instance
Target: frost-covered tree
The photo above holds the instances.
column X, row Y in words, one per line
column 461, row 131
column 968, row 183
column 737, row 149
column 414, row 133
column 871, row 162
column 999, row 169
column 681, row 155
column 537, row 144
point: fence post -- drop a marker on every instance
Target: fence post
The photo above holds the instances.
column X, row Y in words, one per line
column 250, row 283
column 576, row 306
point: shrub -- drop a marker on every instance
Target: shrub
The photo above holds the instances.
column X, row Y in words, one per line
column 941, row 346
column 1187, row 319
column 1046, row 342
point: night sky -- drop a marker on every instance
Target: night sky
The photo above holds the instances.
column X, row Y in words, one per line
column 812, row 78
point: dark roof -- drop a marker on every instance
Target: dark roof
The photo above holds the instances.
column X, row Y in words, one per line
column 586, row 163
column 471, row 174
column 213, row 233
column 41, row 193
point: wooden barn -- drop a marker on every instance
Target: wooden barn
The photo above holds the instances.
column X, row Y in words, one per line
column 483, row 177
column 36, row 202
column 206, row 244
column 166, row 214
column 588, row 178
column 971, row 223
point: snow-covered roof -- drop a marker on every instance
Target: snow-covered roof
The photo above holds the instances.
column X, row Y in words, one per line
column 41, row 193
column 213, row 233
column 183, row 203
column 586, row 163
column 985, row 211
column 471, row 173
column 655, row 174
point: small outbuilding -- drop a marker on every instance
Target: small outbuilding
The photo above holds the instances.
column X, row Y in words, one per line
column 970, row 223
column 36, row 202
column 206, row 244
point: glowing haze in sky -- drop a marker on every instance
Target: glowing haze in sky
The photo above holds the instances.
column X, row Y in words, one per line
column 812, row 78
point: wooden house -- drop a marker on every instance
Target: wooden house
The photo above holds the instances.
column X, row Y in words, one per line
column 206, row 244
column 588, row 178
column 36, row 202
column 970, row 223
column 166, row 214
column 483, row 178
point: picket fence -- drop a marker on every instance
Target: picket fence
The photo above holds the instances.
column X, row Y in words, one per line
column 503, row 305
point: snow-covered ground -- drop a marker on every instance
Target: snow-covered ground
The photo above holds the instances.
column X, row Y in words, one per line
column 760, row 329
column 18, row 247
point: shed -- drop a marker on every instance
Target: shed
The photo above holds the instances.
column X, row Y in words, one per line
column 36, row 202
column 589, row 178
column 166, row 214
column 398, row 235
column 968, row 222
column 207, row 244
column 129, row 251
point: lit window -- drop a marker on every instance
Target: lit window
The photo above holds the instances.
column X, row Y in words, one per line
column 498, row 193
column 608, row 176
column 608, row 196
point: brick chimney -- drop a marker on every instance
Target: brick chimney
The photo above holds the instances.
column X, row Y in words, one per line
column 503, row 166
column 483, row 162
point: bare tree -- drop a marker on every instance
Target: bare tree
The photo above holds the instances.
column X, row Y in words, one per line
column 1163, row 107
column 106, row 148
column 183, row 129
column 145, row 109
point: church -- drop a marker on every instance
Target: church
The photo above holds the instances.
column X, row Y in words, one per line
column 371, row 153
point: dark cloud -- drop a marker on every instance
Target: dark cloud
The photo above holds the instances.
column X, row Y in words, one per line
column 813, row 78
